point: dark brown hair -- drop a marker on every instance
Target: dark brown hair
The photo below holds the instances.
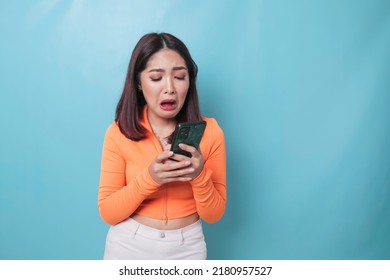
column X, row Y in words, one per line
column 130, row 106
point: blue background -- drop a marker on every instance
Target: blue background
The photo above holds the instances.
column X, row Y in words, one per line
column 301, row 89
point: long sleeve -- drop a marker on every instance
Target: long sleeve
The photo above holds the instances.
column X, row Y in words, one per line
column 117, row 200
column 210, row 186
column 126, row 186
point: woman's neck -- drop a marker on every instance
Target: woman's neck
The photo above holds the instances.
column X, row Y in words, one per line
column 162, row 127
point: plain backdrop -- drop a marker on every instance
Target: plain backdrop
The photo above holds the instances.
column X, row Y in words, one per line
column 300, row 88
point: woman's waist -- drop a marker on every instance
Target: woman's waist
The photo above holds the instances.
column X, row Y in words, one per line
column 166, row 211
column 166, row 224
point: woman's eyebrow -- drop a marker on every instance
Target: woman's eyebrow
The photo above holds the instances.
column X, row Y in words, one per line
column 179, row 68
column 156, row 70
column 176, row 68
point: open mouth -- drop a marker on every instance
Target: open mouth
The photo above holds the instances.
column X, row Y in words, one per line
column 168, row 104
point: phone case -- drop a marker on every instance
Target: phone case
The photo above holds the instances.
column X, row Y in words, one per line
column 188, row 133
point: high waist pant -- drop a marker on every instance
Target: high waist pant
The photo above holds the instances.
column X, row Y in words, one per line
column 130, row 240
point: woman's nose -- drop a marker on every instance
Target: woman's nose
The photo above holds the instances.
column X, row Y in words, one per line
column 170, row 89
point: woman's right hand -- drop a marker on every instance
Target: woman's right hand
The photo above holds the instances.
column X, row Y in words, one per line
column 163, row 170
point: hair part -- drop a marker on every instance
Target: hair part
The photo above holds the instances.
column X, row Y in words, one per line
column 131, row 103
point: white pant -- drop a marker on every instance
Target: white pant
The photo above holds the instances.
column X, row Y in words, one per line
column 130, row 240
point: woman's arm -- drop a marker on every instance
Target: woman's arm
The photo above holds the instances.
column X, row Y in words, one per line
column 116, row 199
column 209, row 186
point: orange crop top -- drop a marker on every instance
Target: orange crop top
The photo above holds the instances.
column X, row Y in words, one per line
column 126, row 186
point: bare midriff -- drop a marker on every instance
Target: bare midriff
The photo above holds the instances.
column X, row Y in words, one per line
column 167, row 225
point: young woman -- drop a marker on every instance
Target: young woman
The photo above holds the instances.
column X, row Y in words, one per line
column 155, row 205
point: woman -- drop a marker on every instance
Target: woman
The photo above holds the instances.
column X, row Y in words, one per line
column 154, row 204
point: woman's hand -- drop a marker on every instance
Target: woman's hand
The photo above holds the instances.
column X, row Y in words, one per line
column 196, row 159
column 164, row 170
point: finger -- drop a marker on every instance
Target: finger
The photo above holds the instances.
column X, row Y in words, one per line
column 176, row 164
column 176, row 179
column 183, row 174
column 179, row 158
column 161, row 158
column 187, row 148
column 179, row 173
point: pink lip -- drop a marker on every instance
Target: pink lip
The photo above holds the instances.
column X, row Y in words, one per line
column 168, row 104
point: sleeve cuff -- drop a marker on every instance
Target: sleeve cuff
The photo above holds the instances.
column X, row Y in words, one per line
column 146, row 184
column 203, row 178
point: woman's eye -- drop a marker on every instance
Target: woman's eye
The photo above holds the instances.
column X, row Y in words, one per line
column 181, row 77
column 155, row 79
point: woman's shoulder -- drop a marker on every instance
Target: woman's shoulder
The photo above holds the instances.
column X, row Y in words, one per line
column 113, row 131
column 210, row 121
column 113, row 128
column 212, row 125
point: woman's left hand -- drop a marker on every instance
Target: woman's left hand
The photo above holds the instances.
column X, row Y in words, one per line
column 196, row 159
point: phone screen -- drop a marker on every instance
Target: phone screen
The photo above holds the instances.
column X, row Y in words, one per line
column 188, row 133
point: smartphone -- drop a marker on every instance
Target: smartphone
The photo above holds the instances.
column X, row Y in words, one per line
column 189, row 133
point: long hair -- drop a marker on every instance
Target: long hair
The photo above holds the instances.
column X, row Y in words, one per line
column 130, row 106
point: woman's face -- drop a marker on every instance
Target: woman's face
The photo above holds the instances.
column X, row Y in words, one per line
column 164, row 84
